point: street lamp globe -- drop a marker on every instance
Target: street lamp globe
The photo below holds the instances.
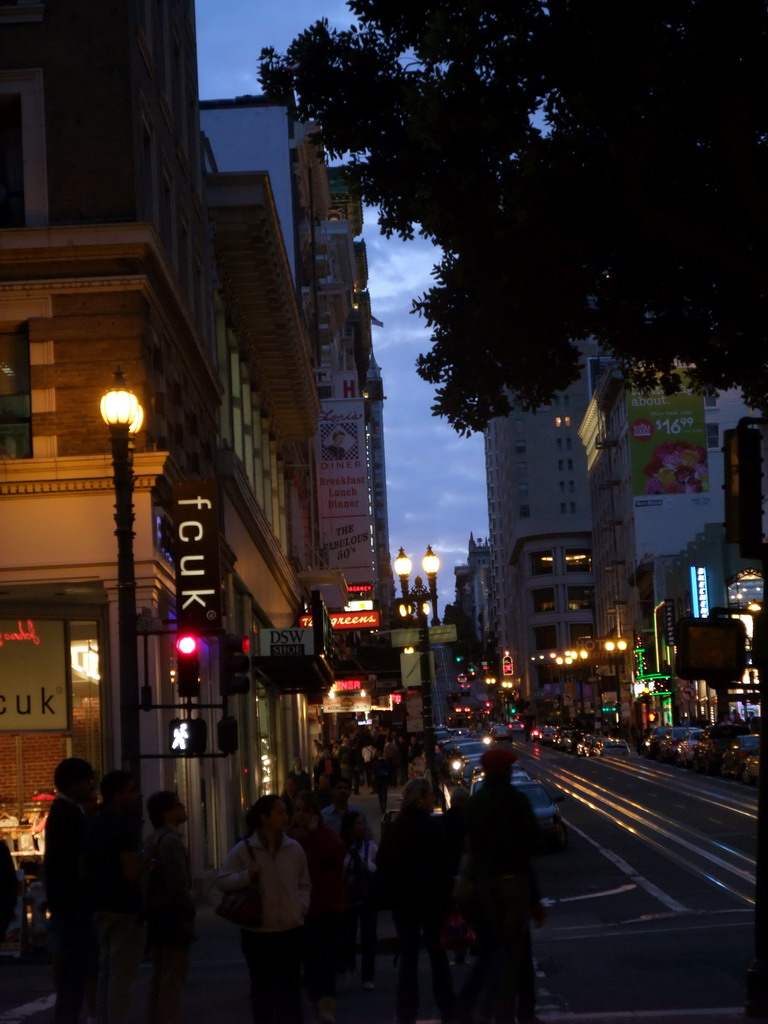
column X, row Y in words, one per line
column 120, row 407
column 430, row 563
column 403, row 565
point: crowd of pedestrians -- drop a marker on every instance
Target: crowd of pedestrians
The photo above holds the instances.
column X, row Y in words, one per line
column 310, row 852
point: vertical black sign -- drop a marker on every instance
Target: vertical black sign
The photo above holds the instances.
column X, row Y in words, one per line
column 196, row 542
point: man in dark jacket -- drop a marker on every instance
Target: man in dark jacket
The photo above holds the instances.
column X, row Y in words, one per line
column 415, row 880
column 502, row 835
column 71, row 925
column 112, row 849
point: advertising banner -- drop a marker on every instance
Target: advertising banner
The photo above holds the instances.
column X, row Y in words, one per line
column 33, row 678
column 343, row 489
column 669, row 468
column 668, row 444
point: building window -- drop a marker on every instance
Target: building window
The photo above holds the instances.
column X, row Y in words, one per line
column 569, row 443
column 11, row 163
column 580, row 598
column 567, row 421
column 543, row 599
column 545, row 637
column 560, row 465
column 573, row 508
column 542, row 563
column 522, row 490
column 524, row 511
column 520, row 445
column 15, row 399
column 578, row 560
column 570, row 463
column 558, row 421
column 522, row 468
column 713, row 435
column 579, row 633
column 559, row 443
column 563, row 509
column 710, row 401
column 562, row 486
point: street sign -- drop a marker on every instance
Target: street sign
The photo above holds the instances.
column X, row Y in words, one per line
column 437, row 635
column 346, row 704
column 286, row 643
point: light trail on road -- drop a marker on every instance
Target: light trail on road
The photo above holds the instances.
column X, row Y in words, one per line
column 678, row 842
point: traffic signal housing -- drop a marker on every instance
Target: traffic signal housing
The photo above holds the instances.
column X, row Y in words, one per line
column 226, row 734
column 188, row 665
column 235, row 664
column 507, row 668
column 743, row 478
column 187, row 737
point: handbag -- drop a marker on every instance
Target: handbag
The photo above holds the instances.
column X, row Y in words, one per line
column 243, row 907
column 457, row 933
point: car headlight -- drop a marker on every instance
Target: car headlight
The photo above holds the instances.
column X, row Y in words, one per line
column 456, row 765
column 487, row 740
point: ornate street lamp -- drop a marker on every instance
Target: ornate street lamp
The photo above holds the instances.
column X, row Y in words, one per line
column 416, row 603
column 615, row 650
column 123, row 414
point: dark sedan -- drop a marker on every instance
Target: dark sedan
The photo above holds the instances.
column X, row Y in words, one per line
column 554, row 835
column 713, row 742
column 736, row 753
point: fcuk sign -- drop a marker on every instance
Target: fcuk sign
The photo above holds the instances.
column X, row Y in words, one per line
column 293, row 642
column 196, row 543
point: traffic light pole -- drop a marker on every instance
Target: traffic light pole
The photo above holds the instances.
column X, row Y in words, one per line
column 757, row 975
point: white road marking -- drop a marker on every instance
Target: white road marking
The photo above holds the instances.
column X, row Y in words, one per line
column 22, row 1013
column 629, row 871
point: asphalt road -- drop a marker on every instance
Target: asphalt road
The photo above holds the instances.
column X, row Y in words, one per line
column 650, row 910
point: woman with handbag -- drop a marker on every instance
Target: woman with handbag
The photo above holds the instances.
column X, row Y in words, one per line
column 275, row 864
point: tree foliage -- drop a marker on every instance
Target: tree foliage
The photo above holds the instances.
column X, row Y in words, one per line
column 588, row 168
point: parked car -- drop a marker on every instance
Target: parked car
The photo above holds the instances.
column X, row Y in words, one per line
column 668, row 744
column 651, row 745
column 543, row 734
column 611, row 745
column 566, row 741
column 554, row 834
column 751, row 771
column 736, row 753
column 587, row 746
column 686, row 747
column 713, row 742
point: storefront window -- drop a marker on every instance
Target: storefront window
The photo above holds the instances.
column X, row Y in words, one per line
column 85, row 667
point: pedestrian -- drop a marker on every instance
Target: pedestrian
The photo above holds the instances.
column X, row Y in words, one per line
column 502, row 836
column 170, row 907
column 289, row 794
column 415, row 882
column 112, row 857
column 325, row 854
column 300, row 777
column 402, row 759
column 323, row 790
column 357, row 763
column 392, row 757
column 273, row 950
column 334, row 813
column 9, row 889
column 368, row 753
column 360, row 911
column 345, row 755
column 454, row 824
column 72, row 938
column 381, row 780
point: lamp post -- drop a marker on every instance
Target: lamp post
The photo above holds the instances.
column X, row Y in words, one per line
column 417, row 601
column 123, row 414
column 615, row 649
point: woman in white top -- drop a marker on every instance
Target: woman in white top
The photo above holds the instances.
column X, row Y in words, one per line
column 273, row 950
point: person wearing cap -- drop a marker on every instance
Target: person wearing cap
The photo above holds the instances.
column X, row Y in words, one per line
column 502, row 836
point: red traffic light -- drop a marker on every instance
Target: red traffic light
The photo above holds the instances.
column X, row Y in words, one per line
column 188, row 643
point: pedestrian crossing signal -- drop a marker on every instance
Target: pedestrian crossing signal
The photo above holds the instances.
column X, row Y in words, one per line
column 187, row 737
